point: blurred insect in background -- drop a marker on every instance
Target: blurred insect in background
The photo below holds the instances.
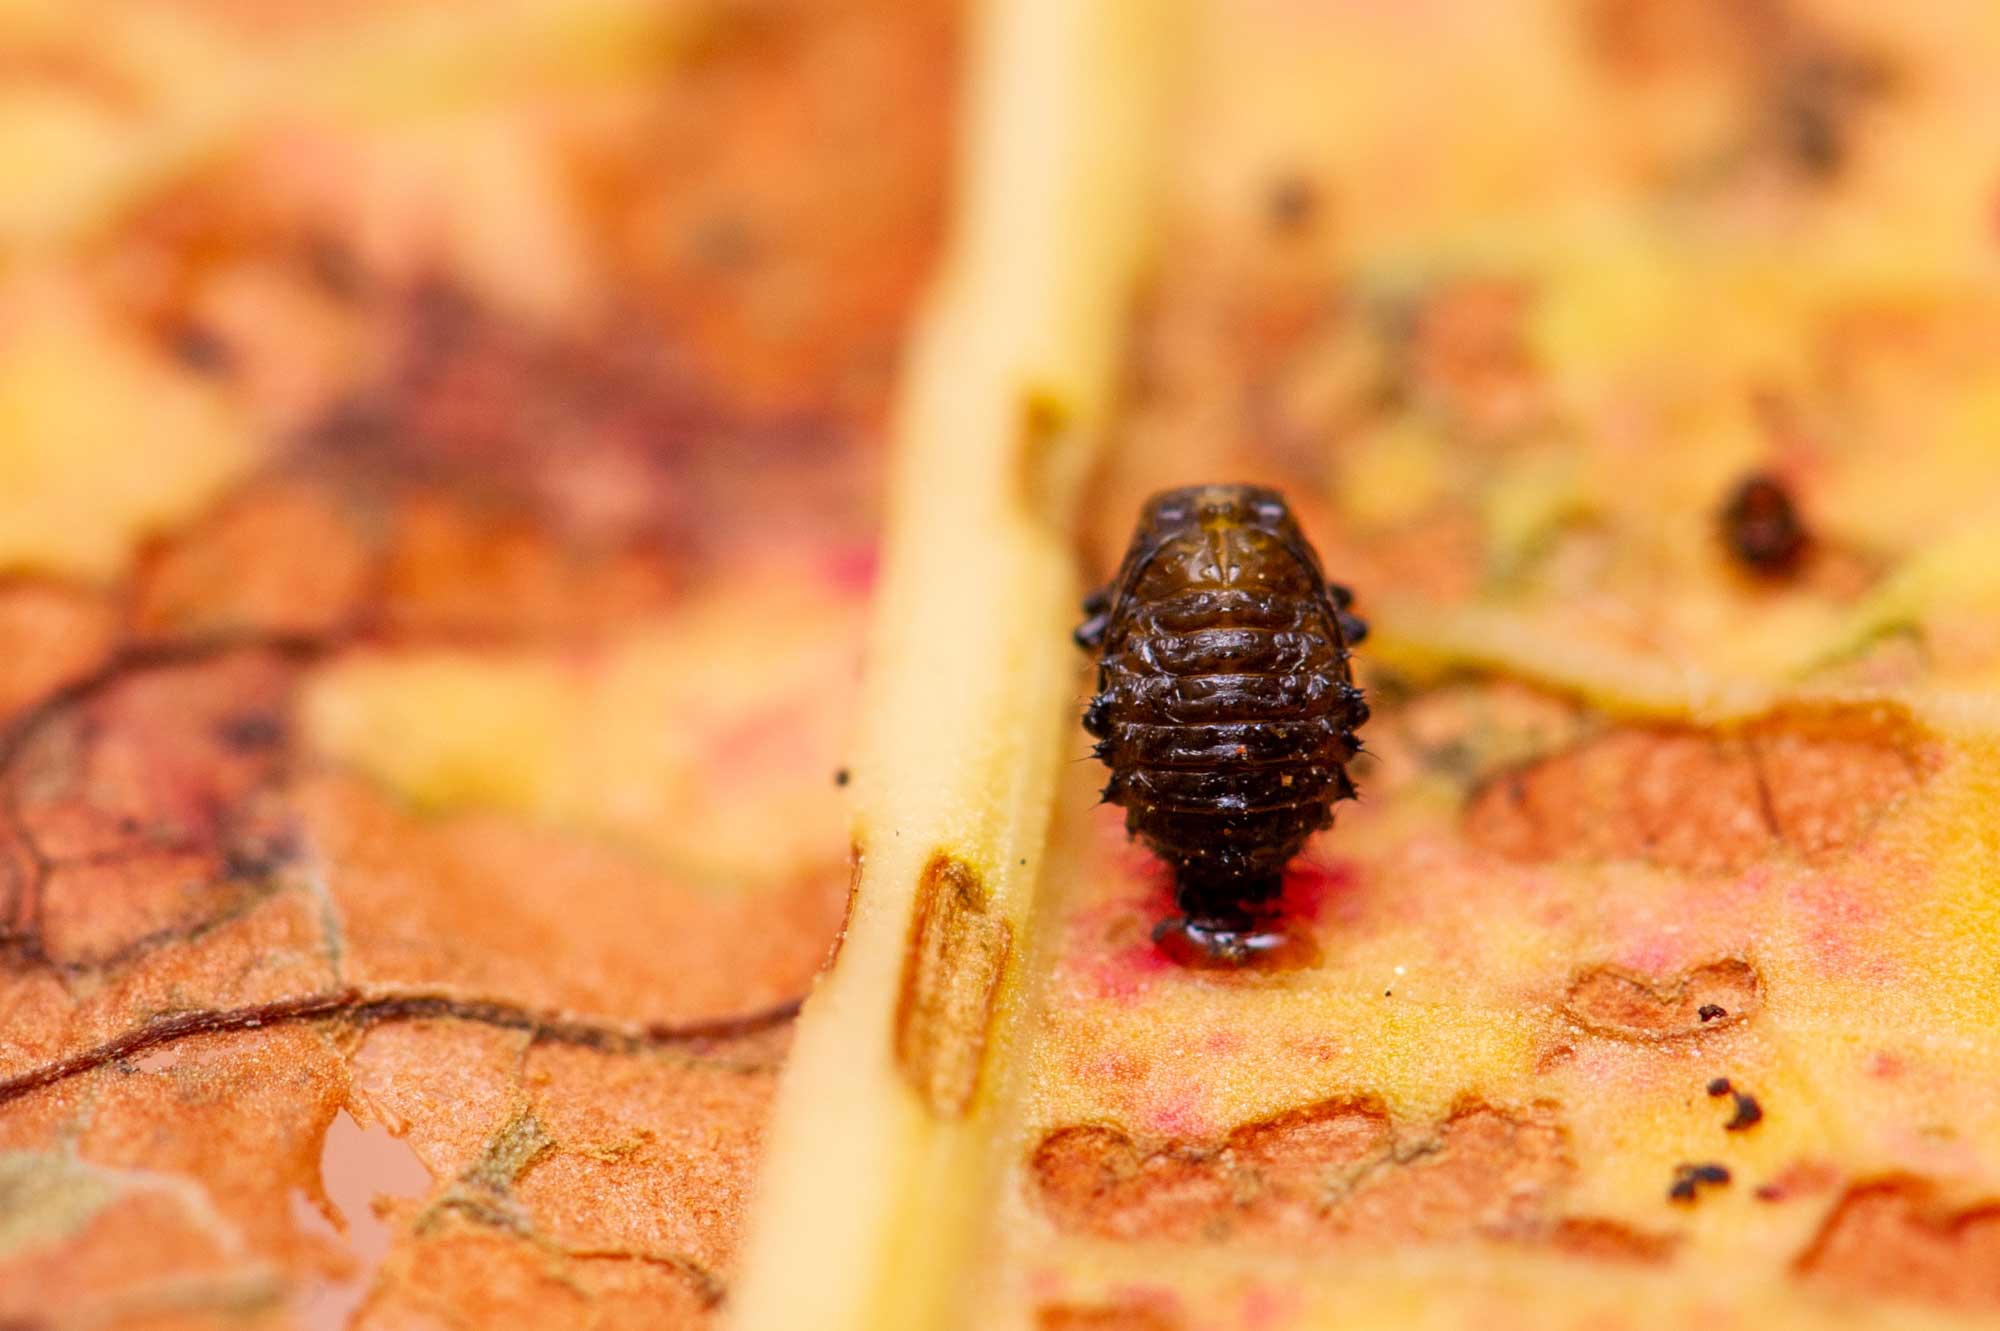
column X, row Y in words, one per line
column 1762, row 528
column 1225, row 707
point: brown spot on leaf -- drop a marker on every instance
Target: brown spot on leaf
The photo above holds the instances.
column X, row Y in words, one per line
column 1610, row 1241
column 1124, row 1315
column 1803, row 1178
column 1340, row 1170
column 1645, row 39
column 952, row 968
column 1897, row 1237
column 1045, row 420
column 1610, row 1000
column 1702, row 801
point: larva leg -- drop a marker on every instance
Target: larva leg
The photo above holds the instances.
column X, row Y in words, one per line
column 1089, row 634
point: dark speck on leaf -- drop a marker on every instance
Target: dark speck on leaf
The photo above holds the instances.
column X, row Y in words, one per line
column 1748, row 1113
column 1719, row 1086
column 1293, row 203
column 257, row 859
column 200, row 349
column 1690, row 1179
column 251, row 732
column 334, row 267
column 842, row 777
column 1762, row 527
column 1712, row 1011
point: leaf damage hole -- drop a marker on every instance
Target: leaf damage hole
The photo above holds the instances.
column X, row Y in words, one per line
column 1703, row 801
column 1610, row 1000
column 1337, row 1170
column 359, row 1170
column 952, row 968
column 1897, row 1236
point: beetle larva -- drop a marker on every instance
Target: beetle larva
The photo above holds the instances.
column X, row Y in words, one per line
column 1225, row 707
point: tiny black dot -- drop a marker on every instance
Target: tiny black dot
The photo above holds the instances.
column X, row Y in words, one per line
column 842, row 777
column 1719, row 1086
column 1712, row 1011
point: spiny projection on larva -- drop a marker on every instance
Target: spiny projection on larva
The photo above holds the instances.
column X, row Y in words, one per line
column 1225, row 707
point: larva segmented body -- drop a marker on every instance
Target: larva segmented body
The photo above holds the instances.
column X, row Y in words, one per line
column 1225, row 707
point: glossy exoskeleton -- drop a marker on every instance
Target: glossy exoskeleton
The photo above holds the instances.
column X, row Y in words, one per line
column 1225, row 707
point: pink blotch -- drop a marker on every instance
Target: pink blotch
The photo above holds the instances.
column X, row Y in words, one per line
column 1836, row 918
column 1265, row 1309
column 1886, row 1065
column 1654, row 954
column 1179, row 1115
column 1123, row 974
column 1110, row 949
column 1112, row 1069
column 852, row 570
column 1222, row 1042
column 1312, row 891
column 1320, row 1048
column 759, row 741
column 1159, row 1299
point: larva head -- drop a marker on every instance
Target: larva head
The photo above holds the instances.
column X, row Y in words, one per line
column 1217, row 507
column 1219, row 536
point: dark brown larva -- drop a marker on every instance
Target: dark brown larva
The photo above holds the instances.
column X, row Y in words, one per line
column 1225, row 707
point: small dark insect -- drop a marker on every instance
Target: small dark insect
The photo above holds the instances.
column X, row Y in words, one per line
column 1719, row 1086
column 1762, row 528
column 1225, row 707
column 1690, row 1179
column 1712, row 1012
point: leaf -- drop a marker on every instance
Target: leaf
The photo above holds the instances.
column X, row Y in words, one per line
column 392, row 925
column 449, row 460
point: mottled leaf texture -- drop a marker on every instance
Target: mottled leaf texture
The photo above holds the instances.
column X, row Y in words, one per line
column 437, row 509
column 442, row 453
